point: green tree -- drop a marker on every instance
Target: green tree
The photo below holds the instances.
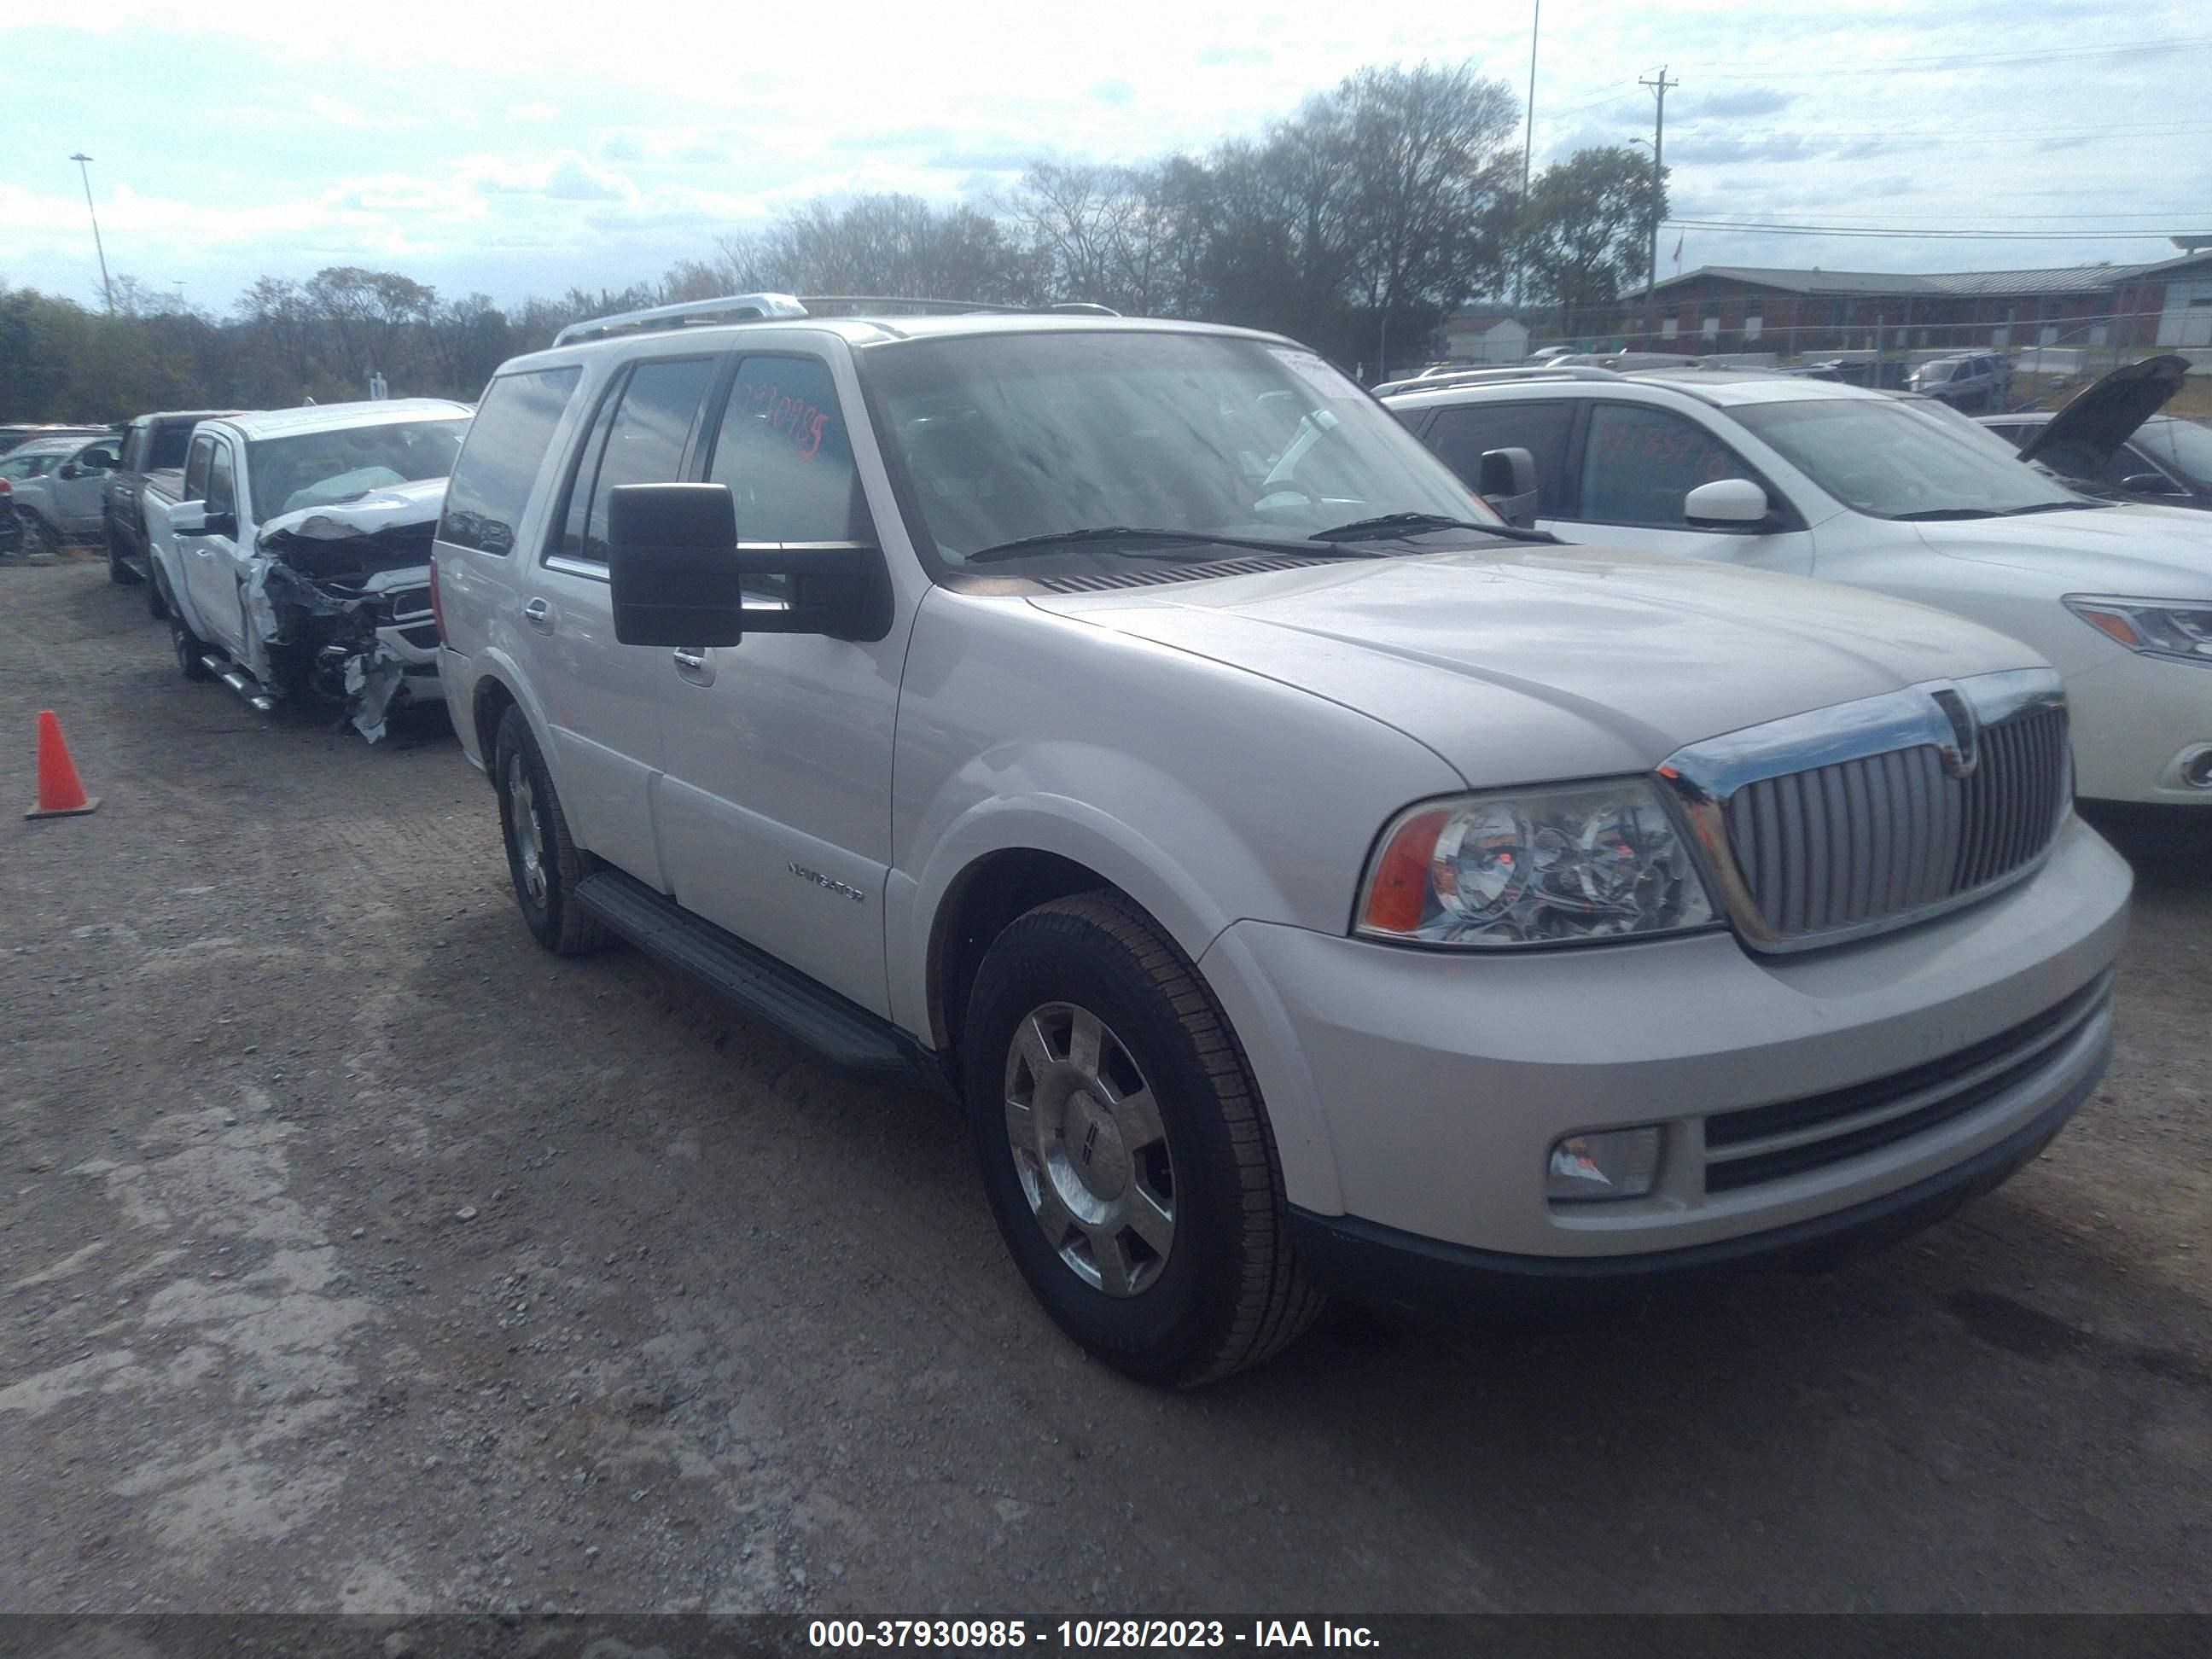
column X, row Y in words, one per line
column 1585, row 231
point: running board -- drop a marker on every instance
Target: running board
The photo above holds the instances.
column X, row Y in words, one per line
column 238, row 680
column 842, row 1032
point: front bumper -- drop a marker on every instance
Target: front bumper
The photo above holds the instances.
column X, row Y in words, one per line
column 1384, row 1267
column 2135, row 719
column 1440, row 1081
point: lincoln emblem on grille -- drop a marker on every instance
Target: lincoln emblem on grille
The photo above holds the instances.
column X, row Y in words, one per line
column 1960, row 759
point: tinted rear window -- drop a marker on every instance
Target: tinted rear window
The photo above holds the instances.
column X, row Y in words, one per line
column 506, row 446
column 170, row 443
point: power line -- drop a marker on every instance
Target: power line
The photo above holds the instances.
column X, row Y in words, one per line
column 1735, row 70
column 1774, row 229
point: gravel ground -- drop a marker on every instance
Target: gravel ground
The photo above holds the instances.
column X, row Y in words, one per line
column 358, row 1255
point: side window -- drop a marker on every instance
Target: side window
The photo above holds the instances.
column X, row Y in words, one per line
column 1462, row 434
column 1639, row 463
column 223, row 485
column 644, row 442
column 576, row 500
column 786, row 455
column 196, row 468
column 506, row 446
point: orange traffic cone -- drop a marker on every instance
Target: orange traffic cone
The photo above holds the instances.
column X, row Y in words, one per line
column 60, row 795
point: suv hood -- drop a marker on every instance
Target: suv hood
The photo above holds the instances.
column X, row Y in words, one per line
column 1531, row 663
column 2104, row 414
column 2152, row 552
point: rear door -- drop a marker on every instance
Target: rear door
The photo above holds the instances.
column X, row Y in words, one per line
column 77, row 496
column 1635, row 462
column 601, row 698
column 775, row 809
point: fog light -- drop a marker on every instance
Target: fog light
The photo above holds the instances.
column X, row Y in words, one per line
column 1611, row 1163
column 2196, row 770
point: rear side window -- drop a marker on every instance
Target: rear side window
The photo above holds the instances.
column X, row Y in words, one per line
column 168, row 448
column 1461, row 436
column 644, row 443
column 196, row 468
column 506, row 446
column 1639, row 463
column 786, row 454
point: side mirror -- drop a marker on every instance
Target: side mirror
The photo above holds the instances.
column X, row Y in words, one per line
column 67, row 471
column 189, row 518
column 676, row 574
column 2149, row 484
column 1508, row 484
column 221, row 523
column 1726, row 504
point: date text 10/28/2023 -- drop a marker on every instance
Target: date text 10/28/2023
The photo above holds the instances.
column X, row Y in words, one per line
column 1083, row 1634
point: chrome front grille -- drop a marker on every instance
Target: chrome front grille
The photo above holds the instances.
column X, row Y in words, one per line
column 1847, row 820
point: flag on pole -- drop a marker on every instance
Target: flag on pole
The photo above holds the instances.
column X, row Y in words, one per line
column 1678, row 247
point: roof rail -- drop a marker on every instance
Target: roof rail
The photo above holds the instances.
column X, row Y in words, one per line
column 784, row 308
column 736, row 308
column 1483, row 376
column 815, row 302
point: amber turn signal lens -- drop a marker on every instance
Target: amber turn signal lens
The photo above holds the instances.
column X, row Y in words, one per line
column 1402, row 875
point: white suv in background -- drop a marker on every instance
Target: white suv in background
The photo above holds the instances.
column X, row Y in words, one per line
column 1306, row 879
column 1890, row 493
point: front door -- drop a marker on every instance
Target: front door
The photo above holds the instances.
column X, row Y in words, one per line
column 211, row 561
column 602, row 697
column 1638, row 463
column 775, row 807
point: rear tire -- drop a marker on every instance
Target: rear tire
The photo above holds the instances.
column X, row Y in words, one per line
column 40, row 540
column 118, row 571
column 542, row 858
column 1125, row 1147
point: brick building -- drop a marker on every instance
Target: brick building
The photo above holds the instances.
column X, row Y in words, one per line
column 1755, row 308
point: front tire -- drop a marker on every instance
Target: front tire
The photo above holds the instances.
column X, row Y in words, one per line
column 542, row 858
column 1125, row 1147
column 40, row 540
column 190, row 649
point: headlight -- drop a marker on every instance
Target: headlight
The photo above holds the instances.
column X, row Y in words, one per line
column 1589, row 861
column 2157, row 627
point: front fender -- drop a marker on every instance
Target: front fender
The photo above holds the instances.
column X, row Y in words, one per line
column 1188, row 905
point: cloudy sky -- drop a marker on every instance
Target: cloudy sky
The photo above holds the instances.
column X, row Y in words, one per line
column 481, row 144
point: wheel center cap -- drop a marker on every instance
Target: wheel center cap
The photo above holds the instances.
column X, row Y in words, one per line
column 1094, row 1146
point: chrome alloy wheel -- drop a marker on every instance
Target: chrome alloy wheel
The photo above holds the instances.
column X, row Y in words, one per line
column 1089, row 1149
column 529, row 843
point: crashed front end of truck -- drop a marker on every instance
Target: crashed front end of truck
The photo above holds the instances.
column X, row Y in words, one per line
column 337, row 604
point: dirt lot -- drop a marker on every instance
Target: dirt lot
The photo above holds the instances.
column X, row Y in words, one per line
column 357, row 1254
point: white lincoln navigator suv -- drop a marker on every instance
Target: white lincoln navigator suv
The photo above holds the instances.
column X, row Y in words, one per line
column 1307, row 880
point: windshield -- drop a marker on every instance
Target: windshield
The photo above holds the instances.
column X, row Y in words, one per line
column 2184, row 443
column 1898, row 459
column 317, row 468
column 1010, row 436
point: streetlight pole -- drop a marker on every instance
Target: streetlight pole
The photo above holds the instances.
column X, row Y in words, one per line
column 1528, row 150
column 84, row 171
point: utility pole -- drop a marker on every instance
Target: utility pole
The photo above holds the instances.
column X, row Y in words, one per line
column 106, row 287
column 1659, row 90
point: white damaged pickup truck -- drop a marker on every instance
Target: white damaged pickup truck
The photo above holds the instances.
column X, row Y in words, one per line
column 294, row 561
column 1307, row 880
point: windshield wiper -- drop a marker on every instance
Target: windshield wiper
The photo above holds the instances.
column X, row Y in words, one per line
column 2052, row 506
column 1929, row 513
column 1384, row 525
column 1123, row 532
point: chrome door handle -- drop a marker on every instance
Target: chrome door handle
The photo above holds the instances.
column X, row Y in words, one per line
column 539, row 615
column 685, row 656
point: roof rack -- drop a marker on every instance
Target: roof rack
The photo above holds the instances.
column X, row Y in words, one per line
column 1483, row 376
column 736, row 308
column 785, row 307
